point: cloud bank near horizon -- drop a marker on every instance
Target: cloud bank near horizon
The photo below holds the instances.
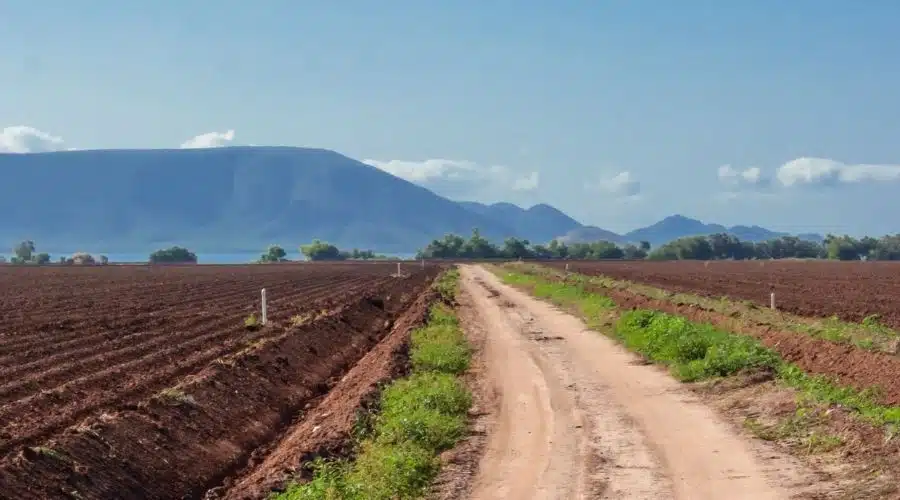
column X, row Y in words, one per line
column 807, row 172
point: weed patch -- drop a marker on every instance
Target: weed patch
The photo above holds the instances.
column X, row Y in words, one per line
column 692, row 351
column 447, row 285
column 252, row 322
column 420, row 416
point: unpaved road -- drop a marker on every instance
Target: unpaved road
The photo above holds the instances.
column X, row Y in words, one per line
column 580, row 417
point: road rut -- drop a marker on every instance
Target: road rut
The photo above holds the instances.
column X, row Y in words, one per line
column 580, row 417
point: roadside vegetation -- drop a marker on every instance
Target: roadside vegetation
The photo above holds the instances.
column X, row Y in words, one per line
column 420, row 416
column 816, row 414
column 871, row 334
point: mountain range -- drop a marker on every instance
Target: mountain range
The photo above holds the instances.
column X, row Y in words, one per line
column 674, row 227
column 244, row 198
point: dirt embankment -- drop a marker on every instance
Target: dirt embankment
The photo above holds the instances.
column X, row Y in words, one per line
column 191, row 437
column 325, row 429
column 850, row 290
column 852, row 366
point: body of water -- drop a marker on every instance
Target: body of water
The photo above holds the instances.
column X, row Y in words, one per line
column 202, row 258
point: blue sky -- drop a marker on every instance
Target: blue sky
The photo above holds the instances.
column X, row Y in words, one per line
column 783, row 114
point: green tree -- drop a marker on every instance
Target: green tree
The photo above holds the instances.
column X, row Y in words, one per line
column 844, row 248
column 645, row 246
column 541, row 252
column 514, row 248
column 632, row 252
column 319, row 250
column 558, row 249
column 478, row 247
column 24, row 251
column 42, row 258
column 173, row 255
column 449, row 247
column 273, row 254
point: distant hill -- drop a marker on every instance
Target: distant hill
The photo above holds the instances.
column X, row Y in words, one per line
column 674, row 227
column 235, row 199
column 540, row 223
column 244, row 198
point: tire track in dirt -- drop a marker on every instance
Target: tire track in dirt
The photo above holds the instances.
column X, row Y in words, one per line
column 644, row 434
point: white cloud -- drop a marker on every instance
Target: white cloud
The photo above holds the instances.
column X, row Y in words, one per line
column 528, row 183
column 748, row 178
column 23, row 139
column 210, row 140
column 460, row 178
column 822, row 171
column 621, row 185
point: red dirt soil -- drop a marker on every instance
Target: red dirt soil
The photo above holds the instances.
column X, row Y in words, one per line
column 325, row 431
column 850, row 290
column 86, row 352
column 852, row 366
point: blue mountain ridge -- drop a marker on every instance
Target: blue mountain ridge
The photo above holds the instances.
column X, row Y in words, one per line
column 244, row 198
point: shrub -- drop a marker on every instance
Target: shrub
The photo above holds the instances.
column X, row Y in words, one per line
column 273, row 254
column 319, row 250
column 693, row 351
column 173, row 255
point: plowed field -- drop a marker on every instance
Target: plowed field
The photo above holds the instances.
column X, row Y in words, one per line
column 140, row 381
column 849, row 290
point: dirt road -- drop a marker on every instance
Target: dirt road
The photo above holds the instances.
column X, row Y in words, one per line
column 580, row 417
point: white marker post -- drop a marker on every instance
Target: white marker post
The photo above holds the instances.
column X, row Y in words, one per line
column 423, row 263
column 398, row 269
column 772, row 300
column 264, row 308
column 567, row 267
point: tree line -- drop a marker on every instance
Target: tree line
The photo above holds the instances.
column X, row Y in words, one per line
column 26, row 253
column 708, row 247
column 452, row 246
column 319, row 250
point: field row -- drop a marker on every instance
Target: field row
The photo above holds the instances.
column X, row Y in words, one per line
column 851, row 291
column 95, row 356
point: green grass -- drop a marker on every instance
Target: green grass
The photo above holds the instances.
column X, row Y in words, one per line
column 591, row 306
column 870, row 334
column 447, row 284
column 420, row 416
column 693, row 351
column 696, row 351
column 441, row 346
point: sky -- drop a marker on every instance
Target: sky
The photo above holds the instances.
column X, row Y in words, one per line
column 782, row 114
